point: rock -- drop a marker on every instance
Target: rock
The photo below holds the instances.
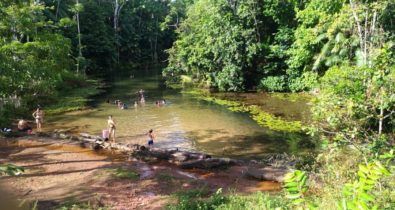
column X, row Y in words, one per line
column 208, row 163
column 74, row 138
column 63, row 136
column 179, row 156
column 268, row 173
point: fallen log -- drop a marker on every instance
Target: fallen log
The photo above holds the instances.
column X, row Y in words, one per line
column 88, row 136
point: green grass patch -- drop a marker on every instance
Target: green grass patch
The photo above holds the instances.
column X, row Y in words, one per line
column 165, row 177
column 195, row 199
column 125, row 174
column 76, row 205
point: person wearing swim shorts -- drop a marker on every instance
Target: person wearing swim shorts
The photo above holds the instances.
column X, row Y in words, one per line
column 39, row 116
column 151, row 137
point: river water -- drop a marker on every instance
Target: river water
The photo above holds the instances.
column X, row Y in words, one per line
column 185, row 122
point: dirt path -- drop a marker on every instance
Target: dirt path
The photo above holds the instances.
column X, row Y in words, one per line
column 61, row 171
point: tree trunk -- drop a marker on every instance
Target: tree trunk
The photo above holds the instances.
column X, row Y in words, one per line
column 57, row 10
column 381, row 117
column 79, row 39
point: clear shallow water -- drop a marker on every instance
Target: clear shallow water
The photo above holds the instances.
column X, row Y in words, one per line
column 184, row 122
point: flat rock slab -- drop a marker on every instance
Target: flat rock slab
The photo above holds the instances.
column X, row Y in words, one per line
column 268, row 173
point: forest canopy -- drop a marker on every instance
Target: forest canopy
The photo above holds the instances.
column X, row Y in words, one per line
column 276, row 45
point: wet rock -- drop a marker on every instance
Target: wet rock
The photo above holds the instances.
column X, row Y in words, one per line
column 209, row 163
column 63, row 136
column 268, row 173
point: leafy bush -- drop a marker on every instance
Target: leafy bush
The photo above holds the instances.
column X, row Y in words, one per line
column 307, row 81
column 295, row 185
column 359, row 195
column 273, row 83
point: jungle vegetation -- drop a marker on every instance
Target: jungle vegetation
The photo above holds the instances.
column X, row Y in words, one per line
column 343, row 51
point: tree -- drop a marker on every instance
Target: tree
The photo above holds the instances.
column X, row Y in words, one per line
column 76, row 10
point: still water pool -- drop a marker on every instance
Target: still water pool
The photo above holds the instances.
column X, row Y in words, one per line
column 186, row 122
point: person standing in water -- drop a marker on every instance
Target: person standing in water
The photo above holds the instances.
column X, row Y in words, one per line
column 111, row 129
column 141, row 95
column 151, row 137
column 39, row 116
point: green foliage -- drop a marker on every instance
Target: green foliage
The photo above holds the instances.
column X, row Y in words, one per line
column 356, row 104
column 272, row 83
column 11, row 169
column 358, row 195
column 224, row 44
column 220, row 201
column 295, row 183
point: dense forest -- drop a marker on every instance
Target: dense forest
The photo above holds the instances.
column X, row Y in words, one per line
column 340, row 51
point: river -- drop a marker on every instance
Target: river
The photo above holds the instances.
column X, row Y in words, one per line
column 186, row 122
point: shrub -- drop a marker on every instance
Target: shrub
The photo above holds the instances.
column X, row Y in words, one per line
column 272, row 83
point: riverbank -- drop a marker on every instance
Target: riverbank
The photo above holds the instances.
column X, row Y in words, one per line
column 73, row 93
column 60, row 173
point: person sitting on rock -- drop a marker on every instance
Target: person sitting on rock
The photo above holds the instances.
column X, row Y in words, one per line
column 23, row 126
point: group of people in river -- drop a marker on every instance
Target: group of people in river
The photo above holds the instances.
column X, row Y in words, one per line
column 109, row 133
column 141, row 100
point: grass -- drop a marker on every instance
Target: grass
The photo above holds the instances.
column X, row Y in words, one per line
column 125, row 174
column 202, row 200
column 165, row 177
column 75, row 205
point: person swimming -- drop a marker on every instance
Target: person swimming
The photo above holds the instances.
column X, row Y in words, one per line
column 160, row 102
column 151, row 137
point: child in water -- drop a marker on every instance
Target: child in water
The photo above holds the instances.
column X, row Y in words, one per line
column 151, row 137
